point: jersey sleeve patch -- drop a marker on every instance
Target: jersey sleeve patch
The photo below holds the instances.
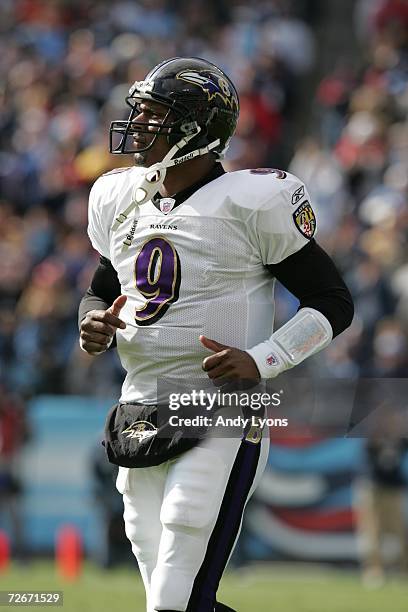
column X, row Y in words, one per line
column 305, row 219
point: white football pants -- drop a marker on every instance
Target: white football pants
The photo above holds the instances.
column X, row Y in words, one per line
column 184, row 516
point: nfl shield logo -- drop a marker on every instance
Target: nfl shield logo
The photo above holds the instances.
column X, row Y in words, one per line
column 166, row 205
column 272, row 360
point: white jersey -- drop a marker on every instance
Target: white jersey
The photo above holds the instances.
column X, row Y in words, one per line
column 199, row 269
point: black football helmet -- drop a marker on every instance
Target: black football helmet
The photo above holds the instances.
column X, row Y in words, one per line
column 202, row 104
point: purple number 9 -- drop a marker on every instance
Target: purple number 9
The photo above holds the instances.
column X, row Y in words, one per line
column 158, row 275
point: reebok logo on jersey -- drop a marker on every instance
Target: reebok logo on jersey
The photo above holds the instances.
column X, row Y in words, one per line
column 298, row 194
column 161, row 226
column 129, row 237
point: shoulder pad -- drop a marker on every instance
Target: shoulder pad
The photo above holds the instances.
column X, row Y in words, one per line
column 117, row 170
column 254, row 189
column 280, row 174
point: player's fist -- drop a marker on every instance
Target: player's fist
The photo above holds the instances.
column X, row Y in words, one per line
column 228, row 363
column 99, row 326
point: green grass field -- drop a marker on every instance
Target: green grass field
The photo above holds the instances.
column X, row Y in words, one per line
column 256, row 589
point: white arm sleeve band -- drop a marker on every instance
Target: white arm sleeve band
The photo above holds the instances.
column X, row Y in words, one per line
column 304, row 335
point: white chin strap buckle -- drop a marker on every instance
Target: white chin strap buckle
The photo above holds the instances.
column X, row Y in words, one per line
column 150, row 183
column 143, row 191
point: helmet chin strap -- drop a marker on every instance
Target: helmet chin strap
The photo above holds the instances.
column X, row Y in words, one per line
column 153, row 177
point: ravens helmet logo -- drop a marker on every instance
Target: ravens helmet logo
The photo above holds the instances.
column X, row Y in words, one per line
column 212, row 83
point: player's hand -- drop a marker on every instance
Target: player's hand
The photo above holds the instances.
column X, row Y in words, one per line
column 228, row 363
column 99, row 326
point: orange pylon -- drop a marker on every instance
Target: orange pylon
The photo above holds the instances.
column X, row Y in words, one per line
column 69, row 552
column 4, row 551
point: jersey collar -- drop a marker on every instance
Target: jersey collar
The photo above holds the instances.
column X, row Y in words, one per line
column 182, row 196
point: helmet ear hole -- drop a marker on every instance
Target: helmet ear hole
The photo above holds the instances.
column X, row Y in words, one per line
column 189, row 127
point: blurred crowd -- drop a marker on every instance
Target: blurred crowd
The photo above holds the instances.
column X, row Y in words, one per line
column 66, row 67
column 355, row 163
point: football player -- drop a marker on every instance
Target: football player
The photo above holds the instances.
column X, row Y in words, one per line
column 189, row 255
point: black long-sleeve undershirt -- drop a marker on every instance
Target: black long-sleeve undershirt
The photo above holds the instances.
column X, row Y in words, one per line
column 103, row 291
column 310, row 275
